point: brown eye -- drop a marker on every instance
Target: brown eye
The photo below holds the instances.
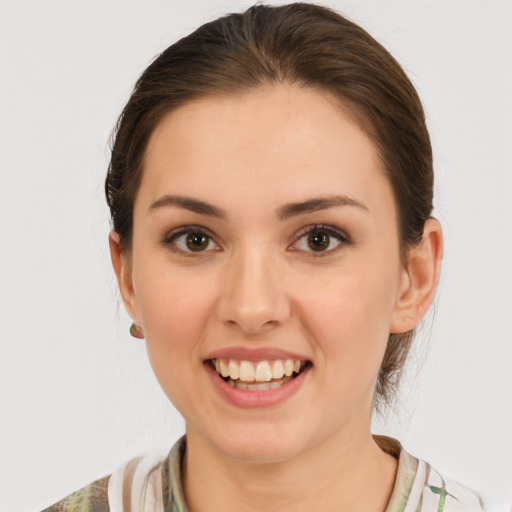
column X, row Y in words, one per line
column 188, row 240
column 322, row 240
column 318, row 241
column 197, row 242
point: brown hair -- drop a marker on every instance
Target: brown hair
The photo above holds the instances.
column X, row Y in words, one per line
column 302, row 44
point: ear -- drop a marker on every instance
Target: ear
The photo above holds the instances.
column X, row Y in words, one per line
column 123, row 268
column 419, row 279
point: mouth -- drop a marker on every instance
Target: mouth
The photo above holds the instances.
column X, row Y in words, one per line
column 258, row 375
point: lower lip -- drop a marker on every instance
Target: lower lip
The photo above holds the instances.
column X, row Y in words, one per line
column 254, row 399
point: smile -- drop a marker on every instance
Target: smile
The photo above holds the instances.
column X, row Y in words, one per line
column 260, row 375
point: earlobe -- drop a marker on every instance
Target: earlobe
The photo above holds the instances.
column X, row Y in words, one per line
column 419, row 279
column 122, row 268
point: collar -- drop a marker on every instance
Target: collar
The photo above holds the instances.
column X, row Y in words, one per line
column 174, row 497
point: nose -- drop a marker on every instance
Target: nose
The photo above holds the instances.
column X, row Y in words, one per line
column 252, row 293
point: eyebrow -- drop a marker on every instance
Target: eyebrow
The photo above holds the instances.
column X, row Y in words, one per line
column 317, row 204
column 188, row 203
column 284, row 212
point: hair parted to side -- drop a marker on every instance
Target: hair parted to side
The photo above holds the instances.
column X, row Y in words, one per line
column 306, row 45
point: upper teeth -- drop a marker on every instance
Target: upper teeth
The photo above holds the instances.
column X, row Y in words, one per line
column 261, row 371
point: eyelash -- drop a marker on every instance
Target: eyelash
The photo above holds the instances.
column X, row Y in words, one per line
column 331, row 231
column 169, row 240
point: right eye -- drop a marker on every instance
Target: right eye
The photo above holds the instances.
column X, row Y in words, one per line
column 190, row 240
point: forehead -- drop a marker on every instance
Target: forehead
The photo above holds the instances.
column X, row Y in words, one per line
column 279, row 142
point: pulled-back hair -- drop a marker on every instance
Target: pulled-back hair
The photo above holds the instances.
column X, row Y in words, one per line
column 309, row 46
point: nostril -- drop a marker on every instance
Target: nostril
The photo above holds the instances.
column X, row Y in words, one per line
column 252, row 326
column 252, row 298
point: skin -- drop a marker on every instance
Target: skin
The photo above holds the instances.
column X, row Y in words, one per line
column 259, row 284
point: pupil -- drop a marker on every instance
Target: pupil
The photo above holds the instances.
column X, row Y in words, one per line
column 318, row 241
column 197, row 241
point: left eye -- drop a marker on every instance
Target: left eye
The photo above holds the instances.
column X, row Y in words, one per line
column 320, row 240
column 192, row 241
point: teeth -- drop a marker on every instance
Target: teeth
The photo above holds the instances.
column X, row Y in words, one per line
column 262, row 386
column 246, row 371
column 288, row 367
column 233, row 369
column 278, row 370
column 224, row 370
column 263, row 372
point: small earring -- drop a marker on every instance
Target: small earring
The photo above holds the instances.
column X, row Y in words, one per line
column 136, row 331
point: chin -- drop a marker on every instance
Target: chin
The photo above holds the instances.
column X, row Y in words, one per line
column 260, row 454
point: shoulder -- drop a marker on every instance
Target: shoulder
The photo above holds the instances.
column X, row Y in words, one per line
column 138, row 481
column 92, row 498
column 421, row 488
column 146, row 483
column 435, row 492
column 444, row 494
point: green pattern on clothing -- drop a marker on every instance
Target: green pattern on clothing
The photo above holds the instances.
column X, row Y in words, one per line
column 93, row 498
column 442, row 496
column 176, row 497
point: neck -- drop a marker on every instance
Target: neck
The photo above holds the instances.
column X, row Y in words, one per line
column 343, row 472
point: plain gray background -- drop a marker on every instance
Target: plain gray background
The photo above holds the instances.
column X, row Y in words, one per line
column 77, row 396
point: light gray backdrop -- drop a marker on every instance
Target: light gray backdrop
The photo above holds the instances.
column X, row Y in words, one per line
column 77, row 397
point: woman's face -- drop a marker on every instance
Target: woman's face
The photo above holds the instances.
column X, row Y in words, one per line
column 264, row 231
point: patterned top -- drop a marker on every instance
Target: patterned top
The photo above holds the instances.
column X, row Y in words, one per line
column 150, row 484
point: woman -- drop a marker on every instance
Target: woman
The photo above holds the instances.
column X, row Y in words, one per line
column 271, row 196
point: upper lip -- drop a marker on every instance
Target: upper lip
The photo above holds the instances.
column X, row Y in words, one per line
column 253, row 354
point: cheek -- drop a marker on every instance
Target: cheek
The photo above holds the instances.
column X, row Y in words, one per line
column 172, row 301
column 349, row 317
column 175, row 309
